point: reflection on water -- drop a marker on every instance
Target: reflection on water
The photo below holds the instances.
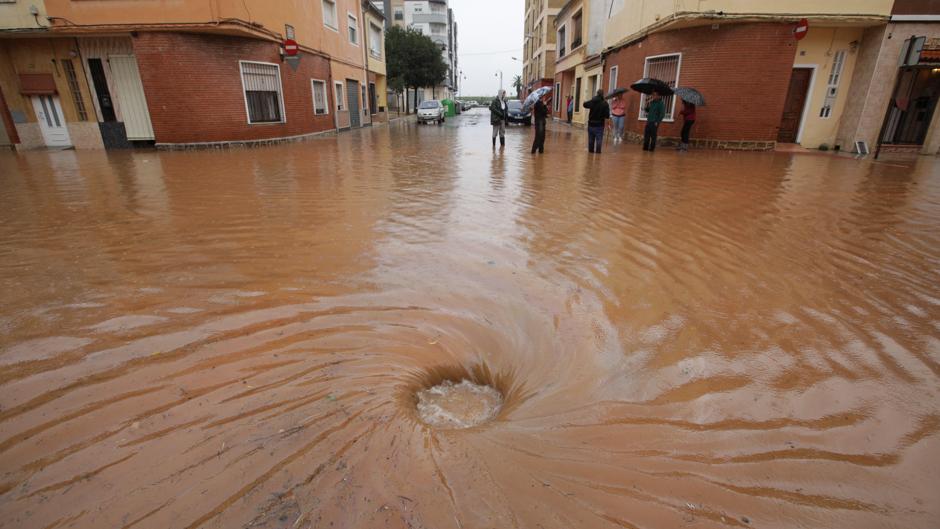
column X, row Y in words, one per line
column 233, row 339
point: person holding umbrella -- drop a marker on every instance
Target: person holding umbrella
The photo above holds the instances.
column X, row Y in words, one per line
column 691, row 98
column 655, row 112
column 537, row 100
column 597, row 119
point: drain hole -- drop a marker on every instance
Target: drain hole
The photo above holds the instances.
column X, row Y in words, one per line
column 458, row 405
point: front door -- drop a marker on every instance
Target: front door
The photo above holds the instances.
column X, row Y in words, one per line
column 51, row 121
column 352, row 98
column 130, row 93
column 796, row 102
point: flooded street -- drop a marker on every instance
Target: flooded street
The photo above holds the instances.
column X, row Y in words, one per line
column 229, row 339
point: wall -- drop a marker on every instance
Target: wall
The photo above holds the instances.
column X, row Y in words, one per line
column 16, row 15
column 745, row 92
column 631, row 16
column 818, row 49
column 181, row 71
column 874, row 80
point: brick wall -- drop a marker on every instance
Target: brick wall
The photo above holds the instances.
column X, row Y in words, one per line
column 743, row 70
column 194, row 89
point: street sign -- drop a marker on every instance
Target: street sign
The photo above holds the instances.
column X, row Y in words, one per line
column 291, row 49
column 801, row 29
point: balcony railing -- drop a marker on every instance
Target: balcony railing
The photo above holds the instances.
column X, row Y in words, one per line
column 430, row 18
column 575, row 43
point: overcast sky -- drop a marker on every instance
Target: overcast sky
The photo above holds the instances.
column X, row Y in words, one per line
column 489, row 34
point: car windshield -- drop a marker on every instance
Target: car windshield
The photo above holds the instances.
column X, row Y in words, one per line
column 515, row 105
column 430, row 104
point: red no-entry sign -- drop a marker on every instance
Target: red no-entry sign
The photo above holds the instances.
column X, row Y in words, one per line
column 801, row 29
column 291, row 48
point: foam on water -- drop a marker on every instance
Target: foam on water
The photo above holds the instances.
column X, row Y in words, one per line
column 460, row 405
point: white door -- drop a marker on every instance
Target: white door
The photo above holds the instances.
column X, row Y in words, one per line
column 129, row 91
column 51, row 121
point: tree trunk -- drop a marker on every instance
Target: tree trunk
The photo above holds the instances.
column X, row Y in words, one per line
column 416, row 99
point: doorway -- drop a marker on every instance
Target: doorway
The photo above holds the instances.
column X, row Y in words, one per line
column 352, row 99
column 51, row 121
column 795, row 106
column 912, row 107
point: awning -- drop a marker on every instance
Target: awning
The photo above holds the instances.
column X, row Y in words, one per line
column 37, row 84
column 930, row 57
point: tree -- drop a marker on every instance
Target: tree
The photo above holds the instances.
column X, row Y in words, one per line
column 413, row 60
column 517, row 84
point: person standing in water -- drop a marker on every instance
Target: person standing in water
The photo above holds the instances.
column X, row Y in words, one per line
column 688, row 119
column 570, row 108
column 655, row 112
column 597, row 119
column 499, row 113
column 618, row 113
column 541, row 117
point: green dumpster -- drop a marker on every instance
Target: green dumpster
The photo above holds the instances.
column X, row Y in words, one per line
column 451, row 108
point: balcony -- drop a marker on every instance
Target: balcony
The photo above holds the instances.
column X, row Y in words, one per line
column 430, row 18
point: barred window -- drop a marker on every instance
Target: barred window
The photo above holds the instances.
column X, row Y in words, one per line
column 263, row 97
column 74, row 89
column 666, row 69
column 320, row 105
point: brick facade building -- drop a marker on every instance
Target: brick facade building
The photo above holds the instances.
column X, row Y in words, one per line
column 744, row 68
column 195, row 92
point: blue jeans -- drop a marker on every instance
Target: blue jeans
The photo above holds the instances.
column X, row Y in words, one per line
column 619, row 122
column 595, row 138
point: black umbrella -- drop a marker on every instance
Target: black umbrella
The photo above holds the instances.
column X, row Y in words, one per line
column 691, row 95
column 648, row 85
column 616, row 92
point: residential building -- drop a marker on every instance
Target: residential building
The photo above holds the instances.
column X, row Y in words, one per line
column 894, row 101
column 762, row 84
column 182, row 73
column 435, row 19
column 579, row 41
column 378, row 84
column 538, row 53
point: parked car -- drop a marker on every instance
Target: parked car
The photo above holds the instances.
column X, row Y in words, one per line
column 431, row 110
column 517, row 114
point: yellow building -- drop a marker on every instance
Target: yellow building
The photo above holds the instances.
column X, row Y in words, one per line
column 538, row 55
column 375, row 57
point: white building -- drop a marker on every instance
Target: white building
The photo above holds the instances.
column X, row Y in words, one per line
column 435, row 19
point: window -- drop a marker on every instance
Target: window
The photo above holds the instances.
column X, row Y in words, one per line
column 557, row 97
column 375, row 40
column 340, row 98
column 561, row 42
column 665, row 68
column 320, row 104
column 576, row 30
column 263, row 98
column 75, row 90
column 353, row 25
column 832, row 89
column 593, row 82
column 612, row 82
column 329, row 13
column 399, row 14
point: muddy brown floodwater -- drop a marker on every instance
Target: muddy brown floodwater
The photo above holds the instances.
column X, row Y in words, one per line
column 239, row 339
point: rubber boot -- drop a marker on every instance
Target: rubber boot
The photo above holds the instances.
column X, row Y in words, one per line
column 494, row 142
column 502, row 141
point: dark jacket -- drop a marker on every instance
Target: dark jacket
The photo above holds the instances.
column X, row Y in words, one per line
column 541, row 111
column 656, row 111
column 599, row 111
column 498, row 111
